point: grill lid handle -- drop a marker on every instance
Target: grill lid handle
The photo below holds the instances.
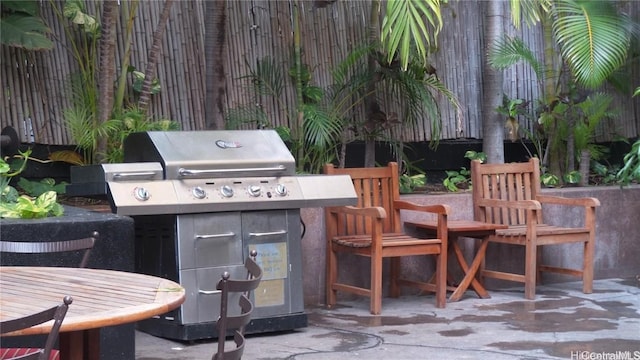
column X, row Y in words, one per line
column 192, row 172
column 143, row 174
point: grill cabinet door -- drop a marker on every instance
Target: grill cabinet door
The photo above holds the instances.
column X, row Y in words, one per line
column 209, row 240
column 268, row 232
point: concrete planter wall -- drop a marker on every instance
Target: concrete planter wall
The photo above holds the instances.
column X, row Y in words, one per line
column 113, row 250
column 617, row 246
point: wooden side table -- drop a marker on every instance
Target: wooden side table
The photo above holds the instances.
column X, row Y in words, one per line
column 470, row 229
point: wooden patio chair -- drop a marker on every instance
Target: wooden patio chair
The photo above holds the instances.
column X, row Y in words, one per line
column 55, row 313
column 509, row 194
column 374, row 229
column 44, row 247
column 236, row 324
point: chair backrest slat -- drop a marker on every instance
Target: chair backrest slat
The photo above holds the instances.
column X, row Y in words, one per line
column 377, row 186
column 513, row 182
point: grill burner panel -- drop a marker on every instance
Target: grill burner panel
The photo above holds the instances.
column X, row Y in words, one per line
column 217, row 195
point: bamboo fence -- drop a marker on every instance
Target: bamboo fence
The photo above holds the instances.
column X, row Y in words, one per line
column 36, row 85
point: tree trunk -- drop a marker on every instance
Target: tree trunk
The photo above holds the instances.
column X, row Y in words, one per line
column 106, row 73
column 585, row 159
column 128, row 13
column 152, row 60
column 493, row 123
column 550, row 95
column 297, row 130
column 215, row 49
column 371, row 105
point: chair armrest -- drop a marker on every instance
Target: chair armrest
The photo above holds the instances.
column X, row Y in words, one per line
column 436, row 209
column 559, row 200
column 519, row 204
column 373, row 212
column 441, row 210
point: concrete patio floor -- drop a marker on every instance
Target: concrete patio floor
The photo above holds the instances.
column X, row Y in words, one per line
column 562, row 323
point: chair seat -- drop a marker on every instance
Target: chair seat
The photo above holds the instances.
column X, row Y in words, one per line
column 11, row 353
column 388, row 240
column 541, row 230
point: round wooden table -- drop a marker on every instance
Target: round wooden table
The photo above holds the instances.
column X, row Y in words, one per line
column 100, row 298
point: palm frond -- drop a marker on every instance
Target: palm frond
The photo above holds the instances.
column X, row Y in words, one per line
column 266, row 77
column 593, row 38
column 404, row 29
column 239, row 116
column 319, row 127
column 531, row 10
column 509, row 51
column 356, row 59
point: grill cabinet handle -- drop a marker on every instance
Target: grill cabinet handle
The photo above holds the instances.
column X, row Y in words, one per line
column 144, row 174
column 209, row 292
column 279, row 232
column 192, row 172
column 214, row 236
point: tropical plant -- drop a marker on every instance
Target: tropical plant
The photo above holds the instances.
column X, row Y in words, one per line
column 128, row 121
column 593, row 39
column 411, row 177
column 124, row 122
column 85, row 130
column 408, row 183
column 7, row 172
column 603, row 174
column 572, row 177
column 14, row 205
column 409, row 28
column 324, row 110
column 94, row 120
column 405, row 32
column 456, row 180
column 593, row 36
column 630, row 171
column 37, row 188
column 474, row 155
column 549, row 180
column 22, row 27
column 512, row 109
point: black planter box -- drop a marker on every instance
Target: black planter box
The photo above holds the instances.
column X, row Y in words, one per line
column 113, row 250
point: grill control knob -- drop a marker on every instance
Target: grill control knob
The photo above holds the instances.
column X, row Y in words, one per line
column 226, row 191
column 141, row 194
column 254, row 190
column 281, row 190
column 199, row 192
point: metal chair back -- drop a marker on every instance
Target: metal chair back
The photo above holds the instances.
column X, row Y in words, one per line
column 55, row 313
column 24, row 247
column 236, row 324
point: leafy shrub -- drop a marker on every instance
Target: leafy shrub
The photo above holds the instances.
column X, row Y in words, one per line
column 14, row 205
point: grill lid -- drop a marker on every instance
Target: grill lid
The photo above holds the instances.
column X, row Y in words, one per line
column 210, row 171
column 212, row 154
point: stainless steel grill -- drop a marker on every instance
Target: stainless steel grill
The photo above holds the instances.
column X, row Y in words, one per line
column 201, row 201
